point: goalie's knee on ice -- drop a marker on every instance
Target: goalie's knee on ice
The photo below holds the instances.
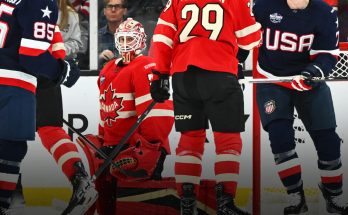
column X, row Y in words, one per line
column 13, row 150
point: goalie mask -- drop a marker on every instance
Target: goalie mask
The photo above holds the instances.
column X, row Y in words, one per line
column 130, row 39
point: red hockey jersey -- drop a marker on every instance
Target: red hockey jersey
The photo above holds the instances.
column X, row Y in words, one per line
column 206, row 34
column 124, row 95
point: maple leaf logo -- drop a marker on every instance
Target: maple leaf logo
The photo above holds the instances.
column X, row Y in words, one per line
column 110, row 104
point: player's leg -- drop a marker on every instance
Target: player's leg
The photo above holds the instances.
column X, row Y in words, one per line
column 276, row 112
column 190, row 121
column 64, row 151
column 321, row 125
column 224, row 106
column 17, row 125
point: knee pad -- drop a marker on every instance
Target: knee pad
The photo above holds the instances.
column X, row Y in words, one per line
column 328, row 144
column 281, row 135
column 228, row 143
column 13, row 150
column 192, row 142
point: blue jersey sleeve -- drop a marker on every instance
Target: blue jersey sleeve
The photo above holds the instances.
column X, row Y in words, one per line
column 37, row 20
column 324, row 52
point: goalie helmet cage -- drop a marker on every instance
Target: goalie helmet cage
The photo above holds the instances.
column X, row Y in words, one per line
column 340, row 70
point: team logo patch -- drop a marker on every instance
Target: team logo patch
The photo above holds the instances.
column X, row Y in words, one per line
column 275, row 17
column 110, row 105
column 270, row 107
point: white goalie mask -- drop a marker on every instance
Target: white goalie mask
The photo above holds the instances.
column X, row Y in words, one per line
column 130, row 39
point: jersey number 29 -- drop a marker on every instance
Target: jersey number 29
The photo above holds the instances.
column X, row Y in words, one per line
column 203, row 13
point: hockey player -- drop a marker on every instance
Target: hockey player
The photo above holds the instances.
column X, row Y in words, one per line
column 27, row 29
column 56, row 140
column 124, row 85
column 300, row 40
column 197, row 42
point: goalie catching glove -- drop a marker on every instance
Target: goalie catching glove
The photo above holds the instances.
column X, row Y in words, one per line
column 142, row 156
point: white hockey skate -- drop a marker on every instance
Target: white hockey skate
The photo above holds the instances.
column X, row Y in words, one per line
column 84, row 192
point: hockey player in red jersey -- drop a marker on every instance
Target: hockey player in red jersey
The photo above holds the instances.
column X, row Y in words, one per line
column 124, row 85
column 197, row 42
column 27, row 28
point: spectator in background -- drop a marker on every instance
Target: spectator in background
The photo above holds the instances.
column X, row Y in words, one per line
column 68, row 22
column 82, row 8
column 114, row 11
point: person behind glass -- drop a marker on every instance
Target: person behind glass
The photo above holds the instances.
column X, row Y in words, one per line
column 205, row 88
column 114, row 11
column 300, row 41
column 50, row 112
column 82, row 8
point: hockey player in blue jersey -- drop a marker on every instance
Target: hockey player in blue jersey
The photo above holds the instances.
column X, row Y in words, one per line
column 300, row 39
column 26, row 31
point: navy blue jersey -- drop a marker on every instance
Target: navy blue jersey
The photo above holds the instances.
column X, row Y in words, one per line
column 296, row 40
column 26, row 32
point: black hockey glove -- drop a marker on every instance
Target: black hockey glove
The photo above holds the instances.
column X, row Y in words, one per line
column 311, row 73
column 240, row 76
column 160, row 87
column 70, row 73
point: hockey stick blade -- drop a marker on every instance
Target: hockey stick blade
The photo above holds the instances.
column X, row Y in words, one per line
column 134, row 174
column 122, row 142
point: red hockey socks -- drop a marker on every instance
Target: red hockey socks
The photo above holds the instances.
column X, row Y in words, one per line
column 188, row 167
column 63, row 150
column 228, row 150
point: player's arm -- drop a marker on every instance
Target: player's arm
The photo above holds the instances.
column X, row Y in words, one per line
column 324, row 51
column 57, row 48
column 37, row 20
column 247, row 30
column 158, row 124
column 163, row 38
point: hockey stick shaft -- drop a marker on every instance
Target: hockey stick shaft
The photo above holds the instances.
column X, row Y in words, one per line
column 123, row 141
column 287, row 79
column 101, row 153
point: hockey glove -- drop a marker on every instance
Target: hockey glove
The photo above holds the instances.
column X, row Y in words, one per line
column 70, row 74
column 160, row 87
column 240, row 76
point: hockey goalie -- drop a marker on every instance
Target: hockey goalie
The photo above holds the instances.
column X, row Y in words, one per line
column 124, row 85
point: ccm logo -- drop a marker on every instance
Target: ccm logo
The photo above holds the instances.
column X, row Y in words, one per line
column 183, row 117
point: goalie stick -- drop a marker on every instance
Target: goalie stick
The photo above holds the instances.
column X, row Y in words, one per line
column 134, row 174
column 287, row 79
column 122, row 142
